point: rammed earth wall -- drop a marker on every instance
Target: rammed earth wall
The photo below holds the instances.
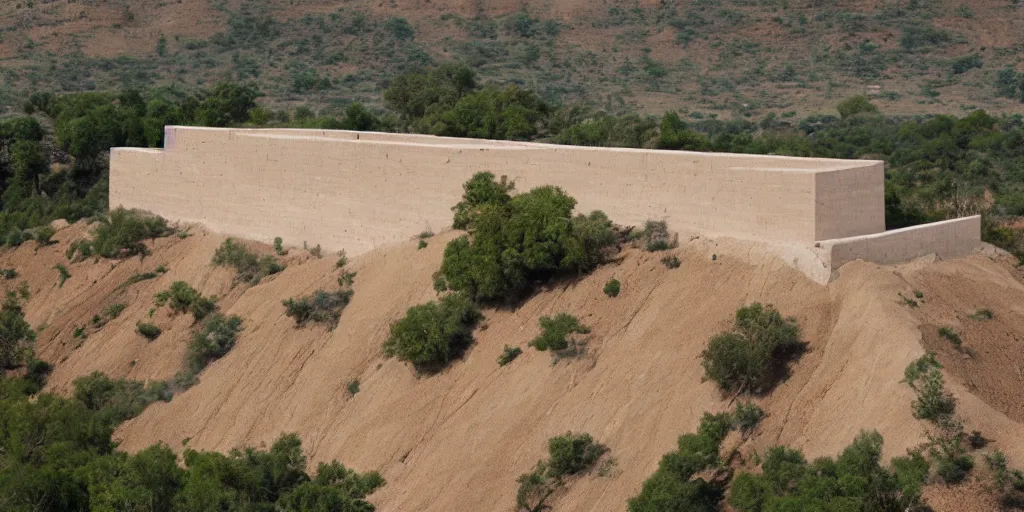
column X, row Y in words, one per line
column 359, row 190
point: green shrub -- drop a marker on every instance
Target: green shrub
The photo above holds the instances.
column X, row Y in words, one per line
column 346, row 279
column 117, row 400
column 137, row 278
column 1009, row 483
column 952, row 469
column 342, row 260
column 122, row 233
column 44, row 235
column 65, row 274
column 517, row 241
column 479, row 191
column 320, row 307
column 933, row 402
column 982, row 314
column 508, row 355
column 8, row 273
column 752, row 357
column 671, row 261
column 966, row 63
column 535, row 488
column 353, row 387
column 555, row 332
column 421, row 245
column 148, row 331
column 654, row 237
column 250, row 267
column 114, row 310
column 183, row 298
column 918, row 368
column 746, row 417
column 952, row 336
column 216, row 339
column 612, row 287
column 36, row 373
column 568, row 455
column 16, row 336
column 433, row 334
column 279, row 247
column 855, row 105
column 79, row 332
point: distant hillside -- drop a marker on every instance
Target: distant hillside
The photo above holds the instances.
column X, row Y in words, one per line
column 716, row 57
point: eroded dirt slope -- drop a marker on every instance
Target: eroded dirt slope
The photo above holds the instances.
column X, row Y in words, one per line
column 458, row 440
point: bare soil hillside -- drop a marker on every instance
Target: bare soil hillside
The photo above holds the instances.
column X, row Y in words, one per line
column 458, row 440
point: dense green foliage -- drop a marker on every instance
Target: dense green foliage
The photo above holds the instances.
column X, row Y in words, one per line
column 612, row 287
column 938, row 166
column 856, row 480
column 431, row 335
column 148, row 330
column 116, row 400
column 182, row 298
column 515, row 241
column 16, row 335
column 568, row 455
column 674, row 486
column 752, row 356
column 57, row 455
column 555, row 332
column 251, row 267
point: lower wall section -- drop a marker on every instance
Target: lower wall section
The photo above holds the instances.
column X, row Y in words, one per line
column 946, row 239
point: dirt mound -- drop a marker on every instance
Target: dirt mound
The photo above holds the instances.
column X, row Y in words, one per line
column 478, row 425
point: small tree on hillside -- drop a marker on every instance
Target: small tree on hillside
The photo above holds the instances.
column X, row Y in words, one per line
column 752, row 356
column 433, row 334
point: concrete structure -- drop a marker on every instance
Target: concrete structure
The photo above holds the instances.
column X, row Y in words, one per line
column 358, row 190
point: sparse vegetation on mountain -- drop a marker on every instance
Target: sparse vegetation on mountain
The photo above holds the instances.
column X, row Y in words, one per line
column 251, row 268
column 319, row 307
column 182, row 298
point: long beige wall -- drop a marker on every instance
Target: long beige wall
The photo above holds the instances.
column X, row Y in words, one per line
column 947, row 239
column 359, row 190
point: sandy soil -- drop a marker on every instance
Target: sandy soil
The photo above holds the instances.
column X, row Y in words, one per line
column 477, row 425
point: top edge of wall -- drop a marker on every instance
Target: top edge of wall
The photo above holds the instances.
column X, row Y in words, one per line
column 908, row 229
column 834, row 164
